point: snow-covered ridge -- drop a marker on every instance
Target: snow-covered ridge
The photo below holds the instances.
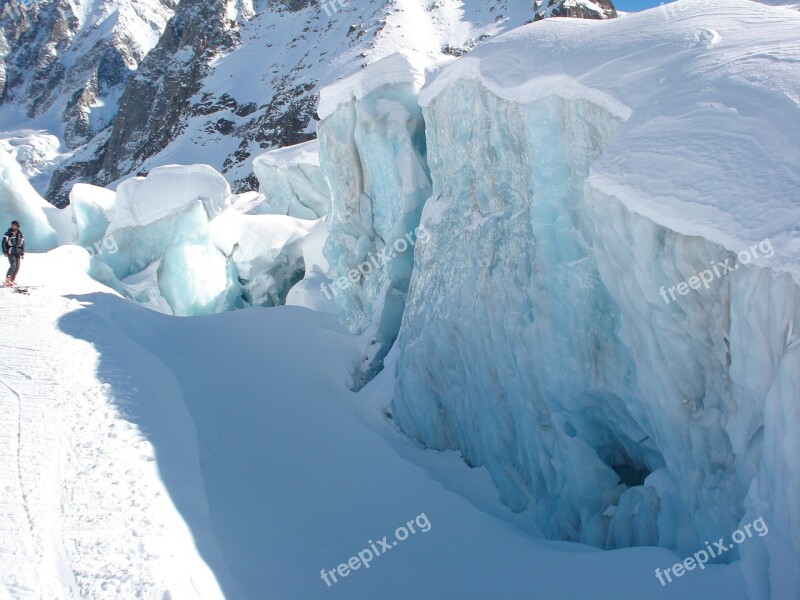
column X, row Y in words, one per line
column 587, row 9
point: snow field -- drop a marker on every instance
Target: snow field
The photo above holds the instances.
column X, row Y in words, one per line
column 85, row 511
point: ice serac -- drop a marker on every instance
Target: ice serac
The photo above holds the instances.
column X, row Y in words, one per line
column 178, row 242
column 154, row 235
column 541, row 338
column 93, row 209
column 372, row 150
column 267, row 251
column 292, row 181
column 167, row 190
column 20, row 202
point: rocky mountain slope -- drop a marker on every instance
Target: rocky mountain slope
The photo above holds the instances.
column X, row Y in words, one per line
column 64, row 65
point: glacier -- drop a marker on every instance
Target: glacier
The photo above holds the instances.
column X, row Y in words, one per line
column 574, row 248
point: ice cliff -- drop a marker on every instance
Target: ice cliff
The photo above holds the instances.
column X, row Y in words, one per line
column 604, row 307
column 293, row 182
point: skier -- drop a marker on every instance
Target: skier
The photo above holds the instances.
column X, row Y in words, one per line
column 14, row 249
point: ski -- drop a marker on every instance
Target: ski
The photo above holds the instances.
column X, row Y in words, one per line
column 21, row 289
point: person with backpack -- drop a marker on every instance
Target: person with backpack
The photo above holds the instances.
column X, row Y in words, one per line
column 14, row 249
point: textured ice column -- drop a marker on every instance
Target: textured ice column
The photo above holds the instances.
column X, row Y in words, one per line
column 509, row 348
column 292, row 182
column 718, row 370
column 372, row 150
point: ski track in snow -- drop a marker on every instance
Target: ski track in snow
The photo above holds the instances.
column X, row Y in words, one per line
column 70, row 510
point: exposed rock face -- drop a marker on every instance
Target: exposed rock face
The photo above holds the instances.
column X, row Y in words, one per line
column 150, row 110
column 157, row 96
column 74, row 57
column 579, row 9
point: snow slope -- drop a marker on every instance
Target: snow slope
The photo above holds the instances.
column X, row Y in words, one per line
column 100, row 472
column 159, row 430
